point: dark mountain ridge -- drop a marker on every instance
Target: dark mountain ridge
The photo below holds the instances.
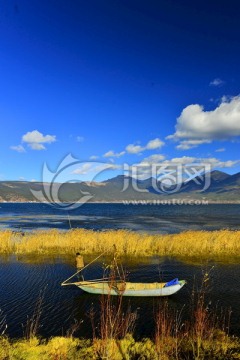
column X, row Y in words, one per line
column 223, row 187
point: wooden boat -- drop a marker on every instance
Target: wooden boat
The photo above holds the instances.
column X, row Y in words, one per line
column 122, row 288
column 129, row 288
column 116, row 285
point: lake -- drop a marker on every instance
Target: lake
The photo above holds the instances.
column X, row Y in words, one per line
column 145, row 218
column 21, row 283
column 22, row 279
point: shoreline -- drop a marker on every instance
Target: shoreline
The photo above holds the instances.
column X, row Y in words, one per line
column 137, row 202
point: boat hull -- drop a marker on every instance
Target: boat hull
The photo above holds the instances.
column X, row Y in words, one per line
column 130, row 289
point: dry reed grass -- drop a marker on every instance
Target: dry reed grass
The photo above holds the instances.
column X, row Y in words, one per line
column 208, row 244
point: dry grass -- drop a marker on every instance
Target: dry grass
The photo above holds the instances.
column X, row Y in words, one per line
column 203, row 335
column 209, row 244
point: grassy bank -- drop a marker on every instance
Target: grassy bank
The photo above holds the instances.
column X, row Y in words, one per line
column 206, row 244
column 64, row 348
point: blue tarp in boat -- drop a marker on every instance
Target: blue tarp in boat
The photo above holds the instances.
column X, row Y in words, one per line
column 172, row 282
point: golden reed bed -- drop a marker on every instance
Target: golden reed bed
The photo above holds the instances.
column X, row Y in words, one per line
column 186, row 244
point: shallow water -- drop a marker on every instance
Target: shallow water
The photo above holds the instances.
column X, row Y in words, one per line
column 21, row 283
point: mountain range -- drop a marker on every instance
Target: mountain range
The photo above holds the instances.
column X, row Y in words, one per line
column 222, row 188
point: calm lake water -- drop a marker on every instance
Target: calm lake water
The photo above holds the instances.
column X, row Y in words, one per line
column 22, row 279
column 21, row 283
column 146, row 218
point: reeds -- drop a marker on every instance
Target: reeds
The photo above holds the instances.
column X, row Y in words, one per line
column 30, row 330
column 114, row 324
column 169, row 330
column 189, row 244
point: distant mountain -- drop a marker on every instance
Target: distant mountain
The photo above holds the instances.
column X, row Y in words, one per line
column 118, row 179
column 216, row 177
column 229, row 184
column 223, row 187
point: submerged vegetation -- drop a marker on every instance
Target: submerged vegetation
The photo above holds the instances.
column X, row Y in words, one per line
column 189, row 244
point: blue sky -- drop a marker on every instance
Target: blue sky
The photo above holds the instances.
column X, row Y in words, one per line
column 127, row 81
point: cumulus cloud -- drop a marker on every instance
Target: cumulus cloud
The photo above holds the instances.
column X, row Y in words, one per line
column 102, row 167
column 18, row 148
column 153, row 159
column 216, row 82
column 35, row 139
column 83, row 169
column 134, row 149
column 196, row 126
column 154, row 144
column 111, row 153
column 189, row 144
column 221, row 164
column 89, row 167
column 36, row 146
column 187, row 160
column 151, row 145
column 215, row 163
column 181, row 160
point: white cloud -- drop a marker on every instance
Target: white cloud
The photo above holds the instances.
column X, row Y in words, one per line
column 18, row 148
column 153, row 159
column 151, row 145
column 83, row 169
column 181, row 160
column 134, row 149
column 35, row 139
column 96, row 168
column 221, row 164
column 102, row 167
column 196, row 126
column 144, row 168
column 154, row 144
column 215, row 163
column 216, row 82
column 189, row 144
column 111, row 153
column 220, row 150
column 36, row 146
